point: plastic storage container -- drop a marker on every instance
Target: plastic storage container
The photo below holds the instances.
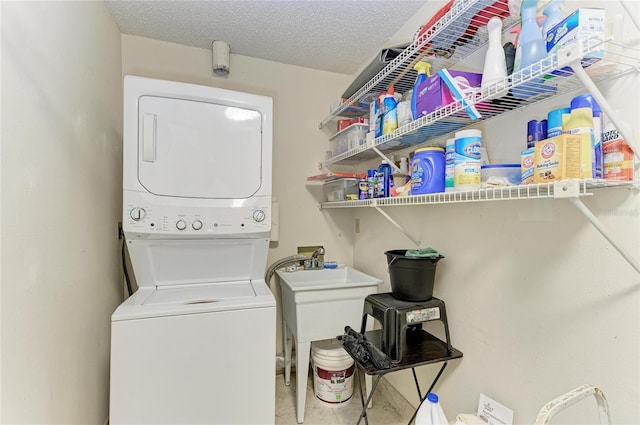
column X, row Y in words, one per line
column 500, row 175
column 337, row 190
column 411, row 278
column 349, row 138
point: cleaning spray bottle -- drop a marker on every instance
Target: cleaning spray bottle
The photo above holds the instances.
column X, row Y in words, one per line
column 390, row 111
column 531, row 47
column 495, row 63
column 423, row 69
column 554, row 15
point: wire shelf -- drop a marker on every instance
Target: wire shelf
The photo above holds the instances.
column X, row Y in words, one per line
column 602, row 60
column 561, row 189
column 459, row 33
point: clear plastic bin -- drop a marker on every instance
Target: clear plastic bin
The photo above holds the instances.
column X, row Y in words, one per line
column 337, row 190
column 349, row 138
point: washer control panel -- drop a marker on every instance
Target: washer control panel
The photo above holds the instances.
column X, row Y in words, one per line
column 196, row 221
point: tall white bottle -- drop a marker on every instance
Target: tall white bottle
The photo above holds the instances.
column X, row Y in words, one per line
column 495, row 62
column 430, row 412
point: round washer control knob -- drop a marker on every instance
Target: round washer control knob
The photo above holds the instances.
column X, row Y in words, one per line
column 259, row 215
column 181, row 224
column 137, row 213
column 197, row 225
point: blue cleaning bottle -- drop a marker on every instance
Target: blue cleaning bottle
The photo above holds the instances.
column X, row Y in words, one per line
column 385, row 180
column 554, row 15
column 390, row 111
column 423, row 69
column 531, row 47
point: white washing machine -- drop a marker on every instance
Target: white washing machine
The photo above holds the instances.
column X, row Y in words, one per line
column 195, row 344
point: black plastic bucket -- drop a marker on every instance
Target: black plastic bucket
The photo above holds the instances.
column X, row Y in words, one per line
column 412, row 278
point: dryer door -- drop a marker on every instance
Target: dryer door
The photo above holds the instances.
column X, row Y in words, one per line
column 197, row 149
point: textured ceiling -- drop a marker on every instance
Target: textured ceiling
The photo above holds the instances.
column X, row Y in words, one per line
column 337, row 36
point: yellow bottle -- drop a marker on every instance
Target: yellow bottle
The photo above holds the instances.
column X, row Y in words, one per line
column 580, row 121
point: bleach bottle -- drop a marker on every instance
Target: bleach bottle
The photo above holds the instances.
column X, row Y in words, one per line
column 430, row 412
column 423, row 69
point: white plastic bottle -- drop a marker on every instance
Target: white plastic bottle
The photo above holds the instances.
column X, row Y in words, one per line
column 495, row 62
column 430, row 412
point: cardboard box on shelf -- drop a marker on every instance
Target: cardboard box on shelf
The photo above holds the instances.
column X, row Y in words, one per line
column 434, row 93
column 567, row 156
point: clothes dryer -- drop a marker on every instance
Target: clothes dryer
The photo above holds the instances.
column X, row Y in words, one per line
column 197, row 338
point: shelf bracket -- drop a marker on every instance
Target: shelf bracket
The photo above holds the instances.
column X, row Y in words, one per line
column 384, row 157
column 596, row 223
column 591, row 87
column 570, row 189
column 392, row 221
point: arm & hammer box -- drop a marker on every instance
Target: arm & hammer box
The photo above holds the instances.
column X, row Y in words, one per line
column 526, row 166
column 567, row 156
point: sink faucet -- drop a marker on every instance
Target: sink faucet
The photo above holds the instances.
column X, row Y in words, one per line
column 315, row 263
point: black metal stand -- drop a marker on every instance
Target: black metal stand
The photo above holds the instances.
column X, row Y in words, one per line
column 403, row 339
column 422, row 349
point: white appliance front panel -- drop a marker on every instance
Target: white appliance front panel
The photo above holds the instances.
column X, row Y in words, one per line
column 205, row 368
column 199, row 261
column 198, row 149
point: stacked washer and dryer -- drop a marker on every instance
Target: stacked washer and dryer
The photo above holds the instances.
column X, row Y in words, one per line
column 195, row 343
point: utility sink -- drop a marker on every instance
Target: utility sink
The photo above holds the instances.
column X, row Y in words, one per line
column 317, row 305
column 326, row 279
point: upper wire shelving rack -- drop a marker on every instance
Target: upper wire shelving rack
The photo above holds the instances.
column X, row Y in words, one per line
column 549, row 77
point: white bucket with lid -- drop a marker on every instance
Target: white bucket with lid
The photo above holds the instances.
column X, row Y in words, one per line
column 333, row 371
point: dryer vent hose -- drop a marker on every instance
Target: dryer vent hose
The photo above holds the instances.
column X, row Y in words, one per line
column 283, row 262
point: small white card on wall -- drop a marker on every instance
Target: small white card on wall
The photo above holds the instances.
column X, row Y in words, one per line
column 493, row 412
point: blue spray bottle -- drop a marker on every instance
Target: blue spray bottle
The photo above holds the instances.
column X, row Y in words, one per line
column 554, row 15
column 423, row 69
column 530, row 50
column 531, row 47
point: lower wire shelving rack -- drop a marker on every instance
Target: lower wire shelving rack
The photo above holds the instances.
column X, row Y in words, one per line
column 559, row 189
column 571, row 190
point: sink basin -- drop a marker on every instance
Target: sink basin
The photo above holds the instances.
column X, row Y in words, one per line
column 316, row 305
column 342, row 277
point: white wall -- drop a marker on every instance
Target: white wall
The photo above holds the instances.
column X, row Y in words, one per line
column 538, row 301
column 60, row 197
column 301, row 98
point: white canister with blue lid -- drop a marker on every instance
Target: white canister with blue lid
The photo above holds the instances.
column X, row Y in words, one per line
column 468, row 159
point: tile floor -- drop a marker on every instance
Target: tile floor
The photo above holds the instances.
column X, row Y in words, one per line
column 389, row 407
